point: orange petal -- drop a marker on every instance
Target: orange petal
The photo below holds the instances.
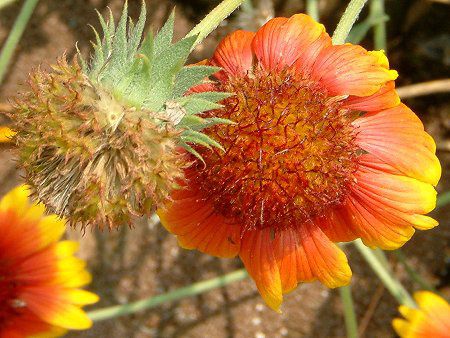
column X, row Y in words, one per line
column 305, row 253
column 281, row 42
column 257, row 254
column 338, row 224
column 234, row 53
column 197, row 226
column 351, row 70
column 278, row 261
column 384, row 98
column 291, row 259
column 47, row 304
column 328, row 263
column 387, row 207
column 396, row 137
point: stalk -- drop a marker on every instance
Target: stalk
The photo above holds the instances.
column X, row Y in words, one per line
column 347, row 21
column 15, row 35
column 351, row 324
column 213, row 19
column 390, row 282
column 312, row 9
column 149, row 303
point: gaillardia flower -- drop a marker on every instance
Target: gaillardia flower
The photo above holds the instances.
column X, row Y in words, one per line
column 100, row 141
column 39, row 276
column 322, row 152
column 430, row 320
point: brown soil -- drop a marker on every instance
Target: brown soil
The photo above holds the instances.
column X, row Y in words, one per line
column 130, row 264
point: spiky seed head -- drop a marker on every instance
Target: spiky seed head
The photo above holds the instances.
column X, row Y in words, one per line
column 100, row 141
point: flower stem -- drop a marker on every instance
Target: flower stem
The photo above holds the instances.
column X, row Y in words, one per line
column 188, row 291
column 213, row 19
column 312, row 9
column 15, row 35
column 347, row 21
column 351, row 324
column 379, row 30
column 383, row 272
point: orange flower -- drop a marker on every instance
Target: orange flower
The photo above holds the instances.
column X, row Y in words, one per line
column 322, row 151
column 430, row 320
column 39, row 277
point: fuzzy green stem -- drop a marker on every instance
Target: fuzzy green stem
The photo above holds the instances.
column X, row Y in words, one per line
column 149, row 303
column 351, row 325
column 15, row 35
column 213, row 19
column 379, row 30
column 347, row 21
column 390, row 282
column 312, row 9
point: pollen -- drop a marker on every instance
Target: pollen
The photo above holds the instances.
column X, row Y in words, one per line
column 289, row 157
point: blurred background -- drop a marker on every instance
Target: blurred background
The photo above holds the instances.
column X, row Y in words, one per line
column 130, row 264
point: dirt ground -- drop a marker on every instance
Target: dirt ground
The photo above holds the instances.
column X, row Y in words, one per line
column 130, row 264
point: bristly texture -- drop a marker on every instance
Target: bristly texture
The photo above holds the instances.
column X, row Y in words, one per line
column 100, row 141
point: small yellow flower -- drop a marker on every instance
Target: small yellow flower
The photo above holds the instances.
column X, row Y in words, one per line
column 5, row 134
column 39, row 276
column 430, row 320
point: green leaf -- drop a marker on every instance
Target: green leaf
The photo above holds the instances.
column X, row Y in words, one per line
column 165, row 36
column 217, row 120
column 159, row 94
column 136, row 34
column 172, row 59
column 210, row 96
column 192, row 120
column 147, row 47
column 200, row 138
column 196, row 106
column 192, row 151
column 190, row 76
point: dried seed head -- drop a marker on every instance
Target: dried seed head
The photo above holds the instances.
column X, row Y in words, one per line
column 88, row 156
column 100, row 142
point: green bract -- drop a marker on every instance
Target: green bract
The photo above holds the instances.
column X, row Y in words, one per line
column 101, row 140
column 151, row 75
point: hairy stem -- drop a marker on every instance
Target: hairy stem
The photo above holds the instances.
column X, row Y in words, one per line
column 347, row 21
column 15, row 35
column 213, row 19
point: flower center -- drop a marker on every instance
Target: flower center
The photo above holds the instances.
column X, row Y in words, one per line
column 289, row 157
